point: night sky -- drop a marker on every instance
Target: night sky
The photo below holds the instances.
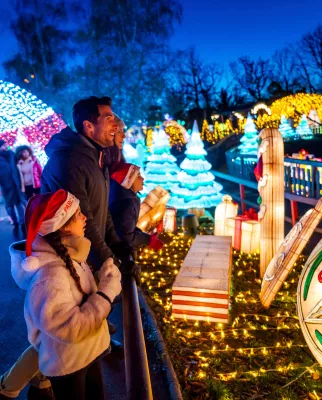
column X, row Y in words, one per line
column 222, row 31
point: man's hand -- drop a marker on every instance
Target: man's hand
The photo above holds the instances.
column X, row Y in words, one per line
column 131, row 268
column 123, row 251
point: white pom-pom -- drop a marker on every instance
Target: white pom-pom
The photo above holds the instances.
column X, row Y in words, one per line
column 30, row 263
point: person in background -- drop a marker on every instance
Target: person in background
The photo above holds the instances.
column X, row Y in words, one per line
column 114, row 153
column 124, row 205
column 65, row 311
column 10, row 183
column 30, row 171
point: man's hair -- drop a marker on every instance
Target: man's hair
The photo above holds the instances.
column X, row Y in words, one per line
column 87, row 110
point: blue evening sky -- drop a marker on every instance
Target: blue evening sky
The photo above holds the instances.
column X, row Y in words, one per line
column 222, row 31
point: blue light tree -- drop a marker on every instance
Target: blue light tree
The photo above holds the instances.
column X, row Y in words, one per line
column 248, row 142
column 161, row 168
column 197, row 187
column 303, row 130
column 286, row 130
column 129, row 152
column 142, row 150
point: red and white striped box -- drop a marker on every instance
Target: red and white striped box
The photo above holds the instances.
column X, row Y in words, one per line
column 201, row 288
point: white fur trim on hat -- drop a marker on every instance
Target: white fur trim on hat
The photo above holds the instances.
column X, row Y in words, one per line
column 30, row 263
column 63, row 214
column 130, row 177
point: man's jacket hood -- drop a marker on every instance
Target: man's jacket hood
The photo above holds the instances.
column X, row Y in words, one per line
column 67, row 140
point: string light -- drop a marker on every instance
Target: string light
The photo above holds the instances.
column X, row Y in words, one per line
column 24, row 114
column 212, row 350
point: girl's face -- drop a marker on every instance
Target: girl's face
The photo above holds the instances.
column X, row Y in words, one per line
column 25, row 154
column 77, row 225
column 137, row 185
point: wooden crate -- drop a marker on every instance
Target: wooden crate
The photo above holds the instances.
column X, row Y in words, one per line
column 201, row 289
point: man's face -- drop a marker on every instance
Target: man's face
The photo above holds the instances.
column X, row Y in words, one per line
column 103, row 131
column 119, row 137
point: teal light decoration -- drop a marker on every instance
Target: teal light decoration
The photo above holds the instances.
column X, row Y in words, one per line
column 303, row 130
column 248, row 143
column 286, row 130
column 161, row 168
column 196, row 187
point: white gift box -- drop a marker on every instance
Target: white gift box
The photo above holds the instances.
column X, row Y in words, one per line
column 201, row 288
column 245, row 236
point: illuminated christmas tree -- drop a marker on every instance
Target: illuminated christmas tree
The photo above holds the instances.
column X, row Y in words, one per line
column 176, row 132
column 303, row 130
column 161, row 168
column 286, row 129
column 197, row 187
column 25, row 115
column 142, row 150
column 206, row 134
column 249, row 140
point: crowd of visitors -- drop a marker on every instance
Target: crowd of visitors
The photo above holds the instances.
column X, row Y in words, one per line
column 80, row 239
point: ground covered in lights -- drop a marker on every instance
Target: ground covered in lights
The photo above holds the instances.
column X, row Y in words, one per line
column 261, row 354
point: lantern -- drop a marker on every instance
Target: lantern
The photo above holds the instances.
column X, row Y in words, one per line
column 271, row 191
column 152, row 208
column 309, row 302
column 226, row 209
column 201, row 289
column 289, row 251
column 170, row 220
column 153, row 199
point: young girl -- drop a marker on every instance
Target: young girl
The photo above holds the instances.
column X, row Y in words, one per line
column 30, row 171
column 124, row 205
column 65, row 311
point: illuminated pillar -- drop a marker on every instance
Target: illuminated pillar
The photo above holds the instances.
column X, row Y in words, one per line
column 271, row 190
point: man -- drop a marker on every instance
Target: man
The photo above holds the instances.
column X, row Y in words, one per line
column 114, row 153
column 11, row 185
column 75, row 164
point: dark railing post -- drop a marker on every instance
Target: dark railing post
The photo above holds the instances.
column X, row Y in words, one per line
column 138, row 384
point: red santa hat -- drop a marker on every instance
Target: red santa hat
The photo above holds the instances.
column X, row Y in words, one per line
column 46, row 213
column 124, row 173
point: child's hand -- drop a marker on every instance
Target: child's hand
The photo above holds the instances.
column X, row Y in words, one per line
column 110, row 280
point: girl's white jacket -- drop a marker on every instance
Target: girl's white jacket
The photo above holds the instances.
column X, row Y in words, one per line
column 67, row 335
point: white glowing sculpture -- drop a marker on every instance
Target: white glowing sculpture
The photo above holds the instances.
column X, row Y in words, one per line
column 289, row 251
column 226, row 209
column 201, row 288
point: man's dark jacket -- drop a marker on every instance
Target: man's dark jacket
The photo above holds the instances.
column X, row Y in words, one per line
column 124, row 206
column 73, row 165
column 10, row 179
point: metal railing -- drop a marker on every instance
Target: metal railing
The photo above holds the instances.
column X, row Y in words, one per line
column 294, row 199
column 301, row 177
column 137, row 375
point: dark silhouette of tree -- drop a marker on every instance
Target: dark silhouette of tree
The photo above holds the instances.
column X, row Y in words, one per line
column 252, row 76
